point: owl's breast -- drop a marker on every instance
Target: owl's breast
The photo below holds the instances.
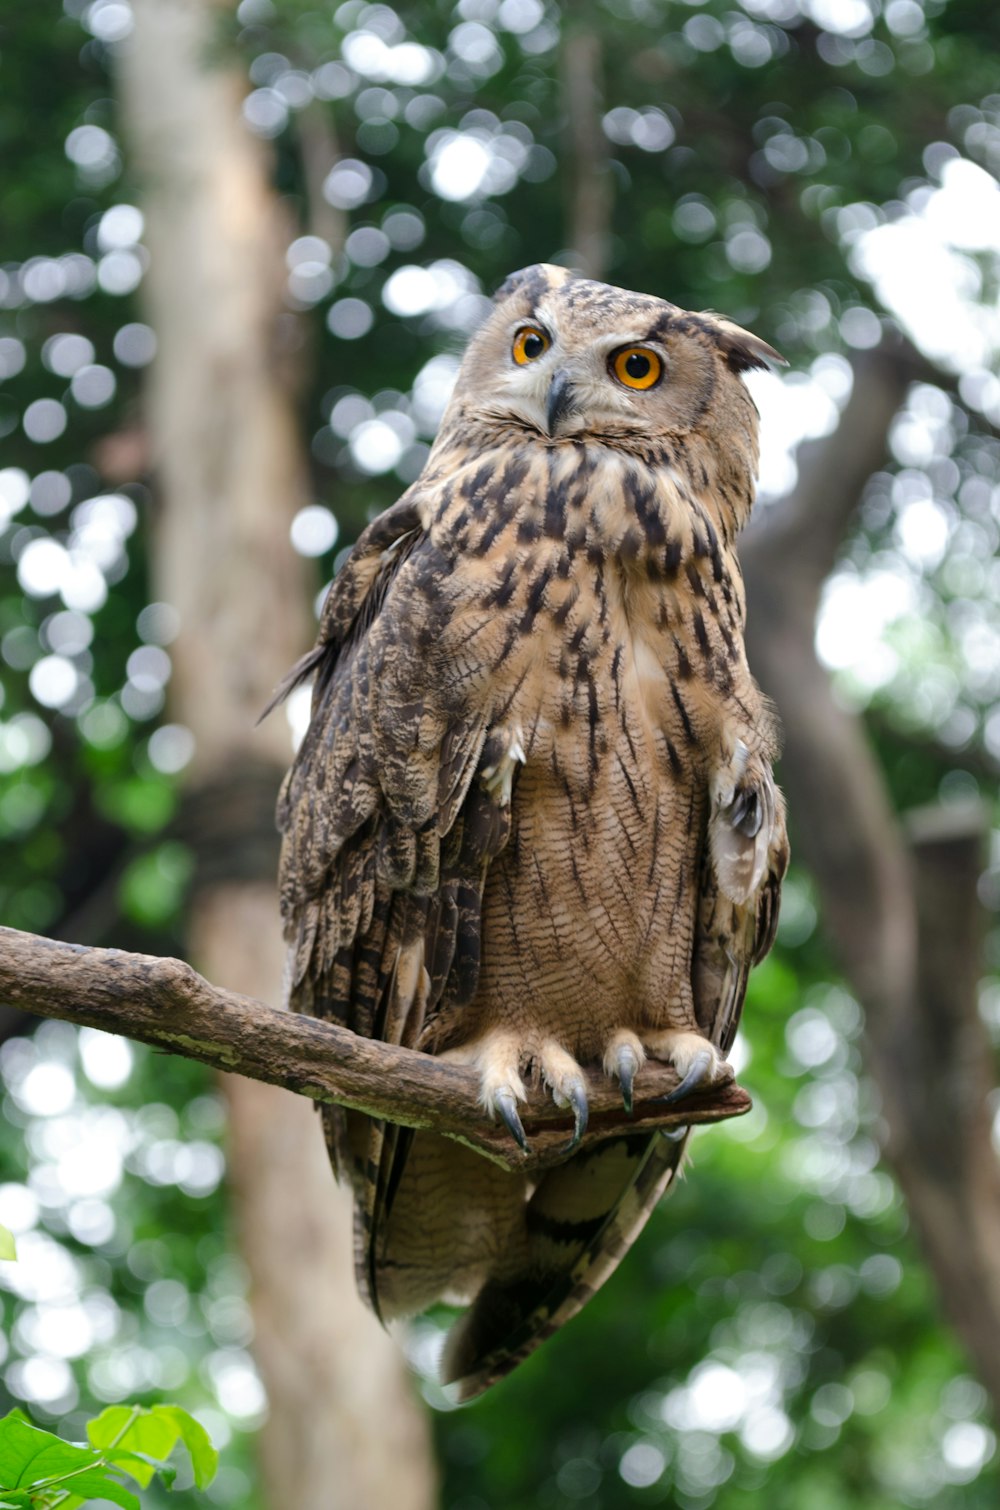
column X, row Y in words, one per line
column 591, row 905
column 605, row 677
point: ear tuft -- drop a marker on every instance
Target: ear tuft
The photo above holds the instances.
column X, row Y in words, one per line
column 742, row 350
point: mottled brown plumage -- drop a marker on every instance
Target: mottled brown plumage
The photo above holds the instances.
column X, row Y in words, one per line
column 532, row 824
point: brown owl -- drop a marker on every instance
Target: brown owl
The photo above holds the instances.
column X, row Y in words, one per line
column 533, row 825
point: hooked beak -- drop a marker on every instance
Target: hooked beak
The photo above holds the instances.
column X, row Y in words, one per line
column 561, row 401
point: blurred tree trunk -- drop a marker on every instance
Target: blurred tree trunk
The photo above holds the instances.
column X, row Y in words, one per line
column 899, row 900
column 344, row 1428
column 591, row 186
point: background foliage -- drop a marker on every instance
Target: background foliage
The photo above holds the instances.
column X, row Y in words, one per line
column 775, row 1326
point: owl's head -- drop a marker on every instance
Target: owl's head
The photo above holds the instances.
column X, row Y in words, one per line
column 567, row 358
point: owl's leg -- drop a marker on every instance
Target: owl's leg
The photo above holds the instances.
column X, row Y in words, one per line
column 697, row 1061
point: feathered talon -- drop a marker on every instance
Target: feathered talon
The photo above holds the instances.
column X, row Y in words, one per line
column 701, row 1066
column 506, row 1104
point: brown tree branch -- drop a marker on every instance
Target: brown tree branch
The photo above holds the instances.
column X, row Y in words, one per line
column 163, row 1002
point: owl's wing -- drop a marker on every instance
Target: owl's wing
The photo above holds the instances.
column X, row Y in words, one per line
column 387, row 837
column 585, row 1214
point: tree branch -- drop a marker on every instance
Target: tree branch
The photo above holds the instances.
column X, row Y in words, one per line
column 900, row 908
column 812, row 521
column 165, row 1003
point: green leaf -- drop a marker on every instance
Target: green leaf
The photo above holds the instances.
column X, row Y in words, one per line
column 137, row 1467
column 29, row 1455
column 139, row 1441
column 8, row 1248
column 33, row 1461
column 204, row 1458
column 96, row 1484
column 134, row 1431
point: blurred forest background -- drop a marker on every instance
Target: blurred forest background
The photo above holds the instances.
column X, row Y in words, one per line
column 243, row 247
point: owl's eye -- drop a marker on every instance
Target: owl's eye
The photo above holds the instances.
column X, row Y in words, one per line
column 637, row 367
column 529, row 344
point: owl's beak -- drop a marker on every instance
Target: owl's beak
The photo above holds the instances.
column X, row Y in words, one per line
column 562, row 400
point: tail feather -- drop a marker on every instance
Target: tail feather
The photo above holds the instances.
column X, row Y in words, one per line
column 582, row 1220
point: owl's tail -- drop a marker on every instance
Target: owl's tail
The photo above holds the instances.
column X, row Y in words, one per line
column 582, row 1220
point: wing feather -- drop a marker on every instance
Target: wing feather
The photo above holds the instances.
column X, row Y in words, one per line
column 387, row 835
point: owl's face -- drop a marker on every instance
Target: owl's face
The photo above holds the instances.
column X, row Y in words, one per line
column 565, row 358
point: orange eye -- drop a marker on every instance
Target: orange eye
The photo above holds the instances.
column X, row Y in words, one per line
column 637, row 367
column 529, row 344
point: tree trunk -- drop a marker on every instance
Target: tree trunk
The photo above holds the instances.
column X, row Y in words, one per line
column 591, row 185
column 344, row 1428
column 899, row 903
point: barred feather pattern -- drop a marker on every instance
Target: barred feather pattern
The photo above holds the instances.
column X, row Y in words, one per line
column 534, row 808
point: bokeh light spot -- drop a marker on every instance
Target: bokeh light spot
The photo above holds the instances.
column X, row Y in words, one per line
column 53, row 681
column 44, row 420
column 135, row 344
column 171, row 748
column 107, row 1059
column 350, row 319
column 314, row 530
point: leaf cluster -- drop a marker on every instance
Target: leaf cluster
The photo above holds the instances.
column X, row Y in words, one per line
column 41, row 1471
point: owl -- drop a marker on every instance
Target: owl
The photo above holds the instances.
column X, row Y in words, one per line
column 532, row 826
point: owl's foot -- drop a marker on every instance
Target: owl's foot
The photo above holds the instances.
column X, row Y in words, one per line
column 697, row 1061
column 497, row 1058
column 624, row 1057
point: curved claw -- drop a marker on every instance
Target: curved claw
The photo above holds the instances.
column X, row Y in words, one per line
column 576, row 1095
column 746, row 813
column 626, row 1065
column 700, row 1066
column 506, row 1104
